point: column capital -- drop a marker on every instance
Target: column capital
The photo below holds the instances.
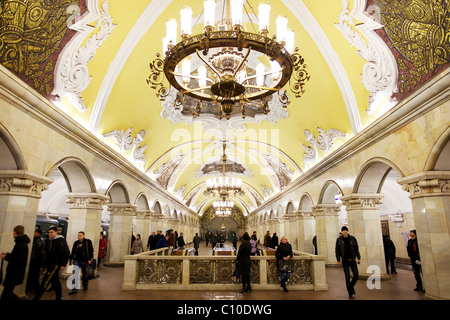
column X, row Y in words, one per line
column 86, row 200
column 427, row 184
column 304, row 214
column 23, row 183
column 326, row 209
column 366, row 201
column 122, row 209
column 289, row 217
column 143, row 214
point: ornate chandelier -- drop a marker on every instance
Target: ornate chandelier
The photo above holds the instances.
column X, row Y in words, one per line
column 224, row 185
column 222, row 70
column 223, row 207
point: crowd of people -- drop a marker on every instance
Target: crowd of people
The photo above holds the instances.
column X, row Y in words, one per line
column 52, row 255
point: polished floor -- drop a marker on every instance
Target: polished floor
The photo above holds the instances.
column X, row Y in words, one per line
column 108, row 287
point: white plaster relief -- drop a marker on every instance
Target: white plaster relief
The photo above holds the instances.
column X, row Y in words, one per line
column 125, row 141
column 71, row 72
column 324, row 142
column 380, row 73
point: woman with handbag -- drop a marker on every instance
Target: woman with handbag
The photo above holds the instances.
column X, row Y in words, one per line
column 285, row 264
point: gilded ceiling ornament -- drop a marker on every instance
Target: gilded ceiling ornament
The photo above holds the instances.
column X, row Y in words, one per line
column 236, row 215
column 31, row 34
column 419, row 33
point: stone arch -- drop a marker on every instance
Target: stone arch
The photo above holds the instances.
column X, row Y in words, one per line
column 141, row 202
column 328, row 193
column 12, row 158
column 272, row 214
column 76, row 175
column 157, row 207
column 118, row 193
column 439, row 157
column 306, row 202
column 167, row 213
column 279, row 211
column 373, row 174
column 290, row 207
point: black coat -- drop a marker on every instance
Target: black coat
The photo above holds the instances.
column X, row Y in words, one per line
column 283, row 250
column 17, row 261
column 243, row 258
column 56, row 253
column 82, row 251
column 340, row 248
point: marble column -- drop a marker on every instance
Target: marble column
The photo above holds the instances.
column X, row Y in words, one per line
column 120, row 228
column 430, row 197
column 20, row 192
column 290, row 229
column 85, row 215
column 142, row 226
column 363, row 215
column 306, row 226
column 327, row 230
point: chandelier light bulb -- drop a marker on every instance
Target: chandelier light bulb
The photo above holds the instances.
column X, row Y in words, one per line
column 236, row 12
column 264, row 16
column 186, row 71
column 171, row 31
column 260, row 74
column 276, row 70
column 186, row 20
column 282, row 22
column 165, row 42
column 209, row 12
column 290, row 36
column 202, row 76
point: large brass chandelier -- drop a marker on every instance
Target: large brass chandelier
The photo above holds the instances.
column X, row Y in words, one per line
column 223, row 186
column 225, row 69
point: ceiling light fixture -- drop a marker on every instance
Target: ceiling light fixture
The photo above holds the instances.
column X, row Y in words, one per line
column 226, row 65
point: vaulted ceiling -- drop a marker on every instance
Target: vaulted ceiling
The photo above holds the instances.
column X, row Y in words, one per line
column 91, row 58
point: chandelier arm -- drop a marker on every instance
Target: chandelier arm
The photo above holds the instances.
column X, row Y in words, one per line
column 196, row 89
column 242, row 62
column 262, row 88
column 208, row 64
column 264, row 74
column 191, row 76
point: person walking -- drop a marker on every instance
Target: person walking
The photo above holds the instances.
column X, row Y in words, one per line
column 101, row 249
column 17, row 263
column 243, row 262
column 347, row 250
column 207, row 236
column 181, row 243
column 36, row 259
column 81, row 255
column 414, row 256
column 162, row 243
column 253, row 243
column 152, row 241
column 138, row 244
column 55, row 260
column 267, row 240
column 274, row 241
column 285, row 264
column 196, row 242
column 389, row 254
column 234, row 240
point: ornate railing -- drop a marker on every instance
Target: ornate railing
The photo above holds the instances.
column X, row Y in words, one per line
column 157, row 270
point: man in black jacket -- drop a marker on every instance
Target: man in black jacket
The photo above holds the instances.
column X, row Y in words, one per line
column 347, row 249
column 17, row 262
column 55, row 260
column 414, row 256
column 36, row 259
column 82, row 255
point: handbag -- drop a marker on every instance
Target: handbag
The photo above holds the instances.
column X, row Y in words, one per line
column 90, row 272
column 94, row 263
column 236, row 272
column 286, row 266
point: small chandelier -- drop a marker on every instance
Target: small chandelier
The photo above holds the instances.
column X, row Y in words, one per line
column 224, row 185
column 223, row 212
column 225, row 76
